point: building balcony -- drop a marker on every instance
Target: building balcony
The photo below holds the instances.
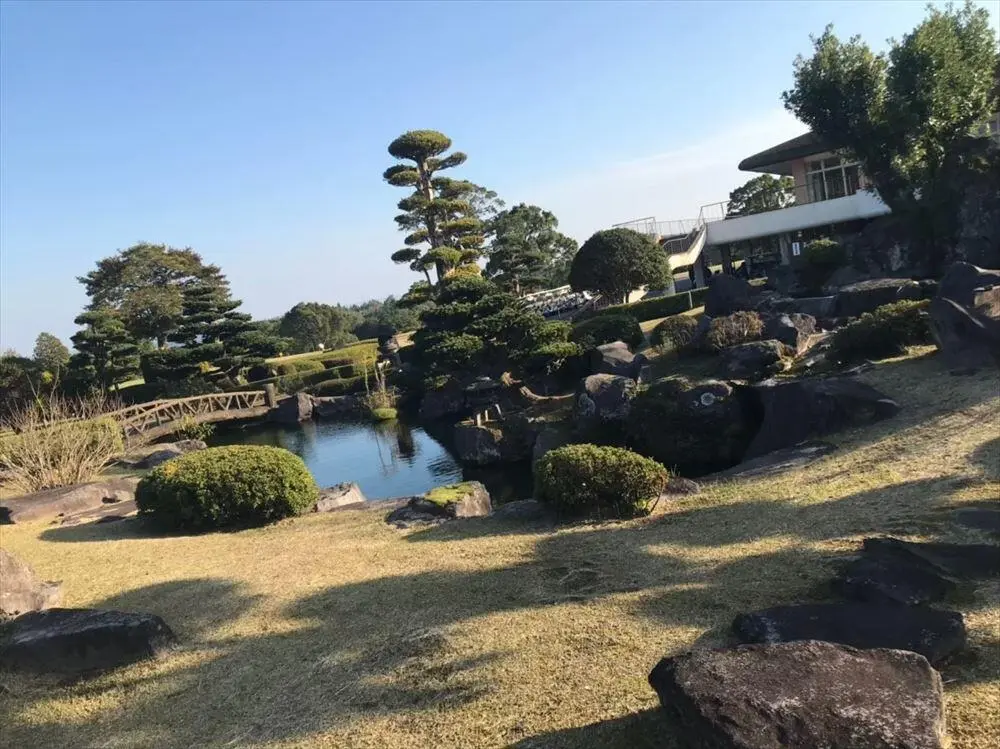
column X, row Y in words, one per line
column 721, row 230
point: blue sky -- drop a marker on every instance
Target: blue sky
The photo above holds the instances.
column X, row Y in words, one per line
column 256, row 132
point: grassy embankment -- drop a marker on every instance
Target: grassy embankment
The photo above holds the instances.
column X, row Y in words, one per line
column 337, row 631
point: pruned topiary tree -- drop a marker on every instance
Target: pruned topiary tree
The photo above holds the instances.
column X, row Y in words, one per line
column 440, row 216
column 614, row 262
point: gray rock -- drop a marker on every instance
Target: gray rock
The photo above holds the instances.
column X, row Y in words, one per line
column 755, row 360
column 802, row 695
column 968, row 286
column 680, row 485
column 793, row 329
column 726, row 295
column 336, row 406
column 82, row 642
column 51, row 504
column 168, row 451
column 604, row 398
column 468, row 499
column 108, row 513
column 867, row 296
column 814, row 306
column 524, row 510
column 338, row 496
column 798, row 410
column 882, row 580
column 617, row 359
column 550, row 438
column 508, row 440
column 439, row 404
column 967, row 339
column 958, row 560
column 22, row 590
column 936, row 635
column 293, row 409
column 776, row 462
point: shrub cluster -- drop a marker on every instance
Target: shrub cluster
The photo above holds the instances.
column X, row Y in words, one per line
column 606, row 329
column 652, row 309
column 676, row 334
column 342, row 386
column 602, row 481
column 241, row 485
column 732, row 330
column 885, row 332
column 820, row 258
column 299, row 366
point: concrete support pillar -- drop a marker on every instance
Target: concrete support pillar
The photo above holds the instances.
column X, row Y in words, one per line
column 699, row 271
column 727, row 259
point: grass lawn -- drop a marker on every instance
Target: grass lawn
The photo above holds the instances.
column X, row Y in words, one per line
column 351, row 351
column 337, row 631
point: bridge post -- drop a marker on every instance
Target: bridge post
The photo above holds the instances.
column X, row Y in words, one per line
column 271, row 395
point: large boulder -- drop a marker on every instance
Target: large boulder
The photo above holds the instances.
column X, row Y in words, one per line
column 726, row 295
column 693, row 427
column 51, row 504
column 792, row 329
column 339, row 496
column 778, row 461
column 867, row 296
column 293, row 409
column 965, row 337
column 81, row 642
column 802, row 695
column 337, row 406
column 549, row 438
column 469, row 499
column 442, row 403
column 508, row 440
column 755, row 360
column 972, row 287
column 617, row 359
column 798, row 410
column 972, row 561
column 21, row 590
column 604, row 399
column 935, row 634
column 965, row 316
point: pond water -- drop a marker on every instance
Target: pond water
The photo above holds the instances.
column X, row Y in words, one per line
column 386, row 459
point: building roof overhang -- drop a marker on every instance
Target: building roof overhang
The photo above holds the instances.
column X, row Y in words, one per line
column 778, row 159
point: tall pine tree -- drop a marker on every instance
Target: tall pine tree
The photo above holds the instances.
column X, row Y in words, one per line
column 107, row 353
column 444, row 228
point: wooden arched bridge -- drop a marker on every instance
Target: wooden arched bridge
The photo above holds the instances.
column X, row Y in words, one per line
column 155, row 419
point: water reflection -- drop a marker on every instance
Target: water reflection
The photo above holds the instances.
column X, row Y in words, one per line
column 387, row 459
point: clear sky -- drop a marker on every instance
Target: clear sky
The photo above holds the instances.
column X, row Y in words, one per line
column 256, row 132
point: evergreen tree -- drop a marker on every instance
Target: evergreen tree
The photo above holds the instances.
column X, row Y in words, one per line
column 444, row 228
column 107, row 353
column 50, row 353
column 527, row 251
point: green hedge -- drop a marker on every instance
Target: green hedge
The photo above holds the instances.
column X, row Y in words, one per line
column 883, row 333
column 675, row 334
column 299, row 366
column 607, row 329
column 241, row 485
column 602, row 481
column 653, row 309
column 339, row 387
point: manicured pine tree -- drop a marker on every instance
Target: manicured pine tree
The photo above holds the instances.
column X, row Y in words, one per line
column 106, row 350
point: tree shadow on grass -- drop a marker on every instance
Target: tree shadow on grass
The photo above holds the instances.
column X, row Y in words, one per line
column 648, row 729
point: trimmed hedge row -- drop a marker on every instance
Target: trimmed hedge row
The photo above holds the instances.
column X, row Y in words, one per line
column 339, row 387
column 652, row 309
column 883, row 333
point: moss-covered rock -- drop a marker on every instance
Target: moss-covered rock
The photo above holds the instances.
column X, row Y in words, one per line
column 693, row 428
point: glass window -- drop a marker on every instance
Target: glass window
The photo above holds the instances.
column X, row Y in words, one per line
column 831, row 178
column 852, row 176
column 817, row 191
column 835, row 187
column 831, row 162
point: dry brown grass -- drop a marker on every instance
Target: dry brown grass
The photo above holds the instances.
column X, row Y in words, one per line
column 336, row 631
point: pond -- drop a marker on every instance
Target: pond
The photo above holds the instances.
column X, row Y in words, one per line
column 386, row 459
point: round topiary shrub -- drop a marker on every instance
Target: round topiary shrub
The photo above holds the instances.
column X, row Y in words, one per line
column 732, row 330
column 606, row 329
column 883, row 333
column 676, row 334
column 602, row 481
column 820, row 258
column 242, row 485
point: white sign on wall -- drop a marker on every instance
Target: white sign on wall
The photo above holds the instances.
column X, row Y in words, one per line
column 796, row 248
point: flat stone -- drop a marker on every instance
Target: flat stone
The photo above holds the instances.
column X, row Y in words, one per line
column 469, row 499
column 935, row 634
column 107, row 513
column 524, row 510
column 54, row 503
column 776, row 462
column 21, row 590
column 82, row 642
column 802, row 695
column 153, row 455
column 339, row 496
column 979, row 518
column 681, row 485
column 867, row 296
column 958, row 560
column 617, row 359
column 890, row 581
